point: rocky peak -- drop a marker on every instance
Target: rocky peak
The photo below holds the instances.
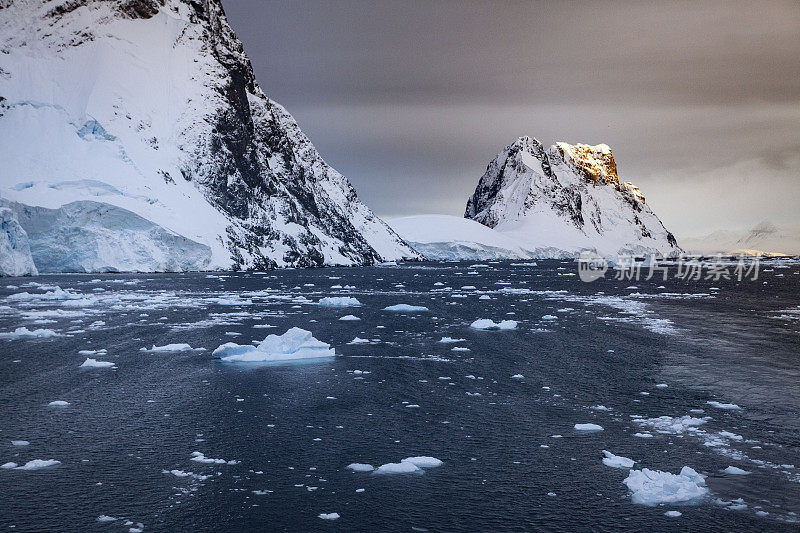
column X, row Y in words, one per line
column 595, row 163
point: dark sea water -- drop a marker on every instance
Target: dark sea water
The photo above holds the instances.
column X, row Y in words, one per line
column 292, row 429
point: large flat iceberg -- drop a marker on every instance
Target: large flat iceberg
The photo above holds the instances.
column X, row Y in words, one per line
column 294, row 344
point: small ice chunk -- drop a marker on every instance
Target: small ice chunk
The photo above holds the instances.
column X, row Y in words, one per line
column 348, row 318
column 423, row 461
column 360, row 467
column 176, row 347
column 719, row 405
column 405, row 308
column 359, row 340
column 339, row 301
column 19, row 443
column 735, row 471
column 448, row 340
column 588, row 427
column 38, row 464
column 329, row 516
column 653, row 487
column 8, row 465
column 58, row 403
column 673, row 514
column 549, row 317
column 403, row 467
column 617, row 461
column 517, row 376
column 106, row 518
column 485, row 323
column 94, row 363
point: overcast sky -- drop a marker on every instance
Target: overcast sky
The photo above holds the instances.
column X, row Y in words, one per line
column 699, row 101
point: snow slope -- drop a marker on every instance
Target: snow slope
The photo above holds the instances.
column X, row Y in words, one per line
column 15, row 252
column 445, row 237
column 152, row 106
column 565, row 199
column 765, row 238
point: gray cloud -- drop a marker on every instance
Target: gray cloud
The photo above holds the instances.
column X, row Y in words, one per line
column 699, row 101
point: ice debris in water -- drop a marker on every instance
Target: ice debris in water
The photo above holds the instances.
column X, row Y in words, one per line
column 729, row 406
column 339, row 301
column 735, row 471
column 588, row 427
column 199, row 457
column 347, row 318
column 296, row 343
column 58, row 403
column 617, row 461
column 329, row 516
column 485, row 323
column 653, row 487
column 177, row 347
column 25, row 333
column 360, row 467
column 20, row 443
column 37, row 464
column 94, row 363
column 405, row 308
column 409, row 465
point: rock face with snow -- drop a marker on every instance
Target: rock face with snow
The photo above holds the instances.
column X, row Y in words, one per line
column 151, row 106
column 559, row 201
column 15, row 251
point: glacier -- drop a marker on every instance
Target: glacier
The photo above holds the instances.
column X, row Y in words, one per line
column 151, row 108
column 15, row 250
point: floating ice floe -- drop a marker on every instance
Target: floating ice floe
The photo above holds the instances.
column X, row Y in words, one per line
column 485, row 323
column 517, row 376
column 20, row 443
column 653, row 487
column 359, row 340
column 347, row 318
column 106, row 518
column 360, row 467
column 25, row 333
column 329, row 516
column 296, row 343
column 735, row 471
column 617, row 461
column 405, row 308
column 549, row 317
column 448, row 340
column 36, row 464
column 588, row 427
column 423, row 461
column 94, row 363
column 339, row 301
column 200, row 458
column 398, row 468
column 58, row 403
column 673, row 514
column 177, row 347
column 719, row 405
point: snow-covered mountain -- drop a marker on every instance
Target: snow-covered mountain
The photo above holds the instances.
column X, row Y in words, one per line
column 450, row 238
column 151, row 107
column 556, row 202
column 764, row 238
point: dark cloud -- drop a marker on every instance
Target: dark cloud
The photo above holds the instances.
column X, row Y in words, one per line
column 411, row 100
